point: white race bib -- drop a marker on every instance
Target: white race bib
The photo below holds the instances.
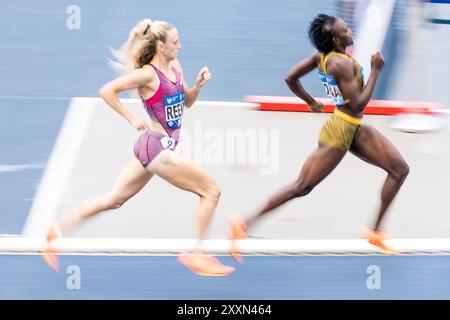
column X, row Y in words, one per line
column 174, row 106
column 332, row 89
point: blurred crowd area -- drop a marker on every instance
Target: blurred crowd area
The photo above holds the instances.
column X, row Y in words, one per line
column 414, row 47
column 248, row 45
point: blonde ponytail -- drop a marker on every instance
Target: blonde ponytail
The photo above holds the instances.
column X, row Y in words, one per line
column 140, row 47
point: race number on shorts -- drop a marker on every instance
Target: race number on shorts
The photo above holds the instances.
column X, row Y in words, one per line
column 168, row 143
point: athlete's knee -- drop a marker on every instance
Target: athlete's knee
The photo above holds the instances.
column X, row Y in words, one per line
column 301, row 189
column 212, row 192
column 111, row 202
column 400, row 171
column 117, row 204
column 404, row 171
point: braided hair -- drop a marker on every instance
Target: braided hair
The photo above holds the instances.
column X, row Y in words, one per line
column 321, row 32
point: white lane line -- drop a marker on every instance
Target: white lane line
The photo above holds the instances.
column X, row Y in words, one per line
column 441, row 111
column 130, row 246
column 59, row 167
column 33, row 98
column 19, row 167
column 96, row 99
column 226, row 104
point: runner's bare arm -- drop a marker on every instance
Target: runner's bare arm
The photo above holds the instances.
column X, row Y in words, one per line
column 303, row 67
column 133, row 80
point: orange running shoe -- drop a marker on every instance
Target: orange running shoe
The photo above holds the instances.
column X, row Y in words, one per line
column 237, row 231
column 50, row 253
column 204, row 265
column 377, row 238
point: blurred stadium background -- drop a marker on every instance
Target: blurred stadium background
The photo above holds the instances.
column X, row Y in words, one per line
column 249, row 46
